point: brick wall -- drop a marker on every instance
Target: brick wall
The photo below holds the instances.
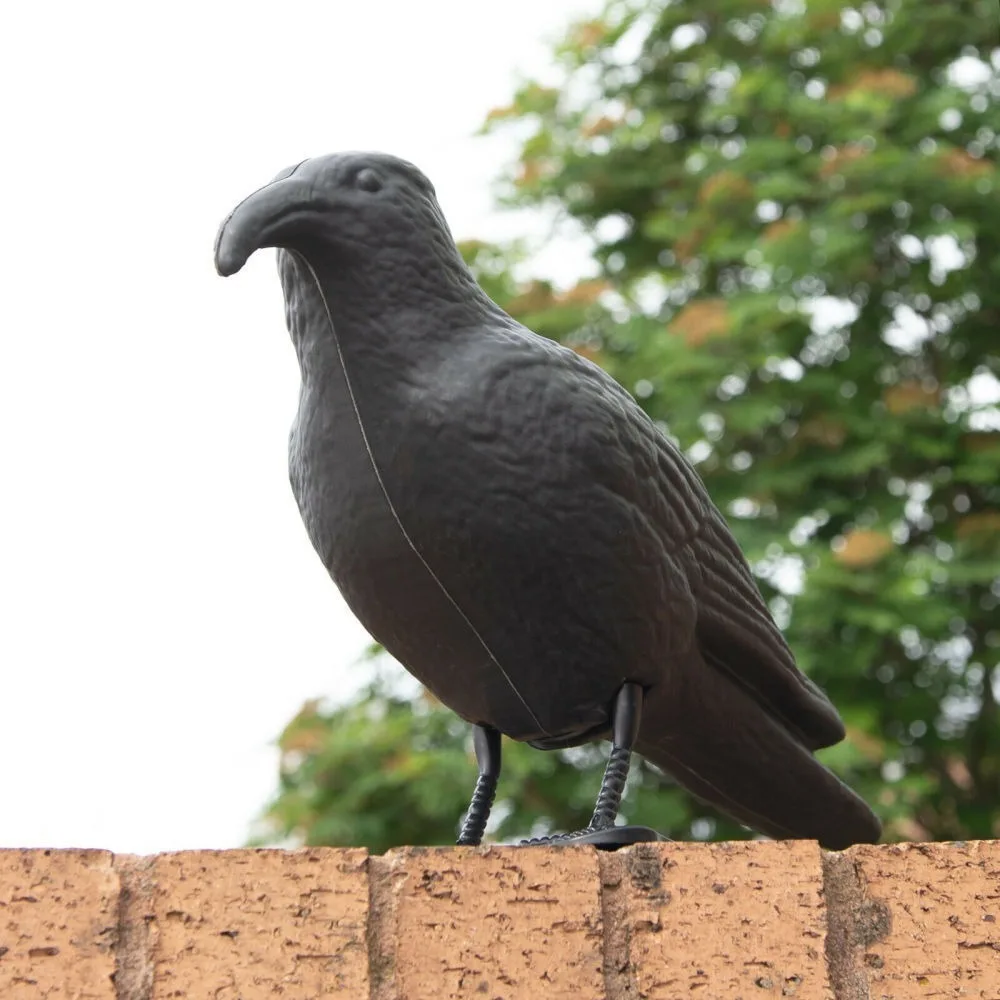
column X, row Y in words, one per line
column 709, row 922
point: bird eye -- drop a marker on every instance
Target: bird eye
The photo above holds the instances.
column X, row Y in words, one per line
column 368, row 180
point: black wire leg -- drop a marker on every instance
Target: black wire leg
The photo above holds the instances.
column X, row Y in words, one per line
column 486, row 741
column 602, row 831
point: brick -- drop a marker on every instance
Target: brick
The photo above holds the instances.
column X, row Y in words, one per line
column 742, row 920
column 652, row 922
column 496, row 923
column 929, row 920
column 58, row 924
column 245, row 924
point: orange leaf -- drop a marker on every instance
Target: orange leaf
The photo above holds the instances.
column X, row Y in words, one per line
column 841, row 158
column 584, row 294
column 871, row 746
column 910, row 395
column 528, row 173
column 531, row 171
column 726, row 185
column 986, row 522
column 702, row 320
column 907, row 828
column 588, row 34
column 779, row 230
column 588, row 352
column 496, row 114
column 862, row 547
column 886, row 81
column 600, row 126
column 958, row 162
column 959, row 772
column 537, row 296
column 826, row 431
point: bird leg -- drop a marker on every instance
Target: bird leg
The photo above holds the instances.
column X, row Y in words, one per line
column 602, row 831
column 486, row 741
column 624, row 731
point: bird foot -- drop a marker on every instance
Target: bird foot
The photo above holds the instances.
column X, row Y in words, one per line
column 609, row 838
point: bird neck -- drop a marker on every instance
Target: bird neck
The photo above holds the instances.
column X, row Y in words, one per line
column 381, row 323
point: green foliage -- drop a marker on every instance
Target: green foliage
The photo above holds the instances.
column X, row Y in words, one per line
column 796, row 213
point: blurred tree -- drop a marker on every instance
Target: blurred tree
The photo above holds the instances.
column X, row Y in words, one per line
column 795, row 215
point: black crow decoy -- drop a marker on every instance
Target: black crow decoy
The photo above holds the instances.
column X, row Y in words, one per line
column 504, row 518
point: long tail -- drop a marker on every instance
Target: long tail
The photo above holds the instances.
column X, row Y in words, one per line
column 722, row 746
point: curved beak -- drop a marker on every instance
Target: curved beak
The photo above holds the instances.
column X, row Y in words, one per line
column 280, row 214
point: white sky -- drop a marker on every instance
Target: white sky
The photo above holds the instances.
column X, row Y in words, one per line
column 162, row 614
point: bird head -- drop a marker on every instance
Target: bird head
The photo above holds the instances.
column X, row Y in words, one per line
column 348, row 209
